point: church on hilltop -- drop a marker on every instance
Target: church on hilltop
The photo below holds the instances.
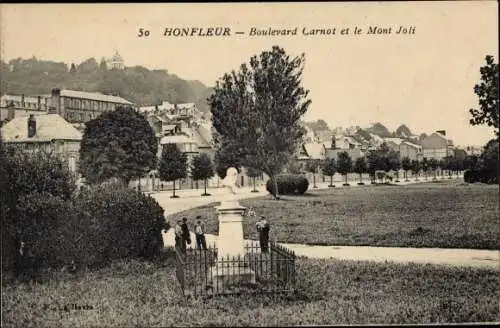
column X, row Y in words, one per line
column 115, row 62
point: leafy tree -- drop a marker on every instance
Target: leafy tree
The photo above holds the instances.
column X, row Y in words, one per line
column 415, row 168
column 226, row 157
column 360, row 167
column 490, row 161
column 253, row 173
column 425, row 166
column 372, row 160
column 394, row 163
column 72, row 70
column 117, row 144
column 312, row 166
column 258, row 108
column 103, row 66
column 202, row 169
column 173, row 165
column 433, row 165
column 329, row 168
column 487, row 92
column 406, row 164
column 344, row 165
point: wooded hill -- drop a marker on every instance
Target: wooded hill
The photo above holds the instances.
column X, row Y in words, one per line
column 137, row 84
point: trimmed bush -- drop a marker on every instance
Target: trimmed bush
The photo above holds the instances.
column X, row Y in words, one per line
column 125, row 223
column 289, row 184
column 25, row 173
column 49, row 227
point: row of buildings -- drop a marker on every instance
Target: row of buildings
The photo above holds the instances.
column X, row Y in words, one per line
column 436, row 145
column 56, row 122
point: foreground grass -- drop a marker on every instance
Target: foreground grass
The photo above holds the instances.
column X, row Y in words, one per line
column 445, row 215
column 333, row 292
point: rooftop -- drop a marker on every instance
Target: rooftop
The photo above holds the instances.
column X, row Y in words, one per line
column 94, row 96
column 48, row 127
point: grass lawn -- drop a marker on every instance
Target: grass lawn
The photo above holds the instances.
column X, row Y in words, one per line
column 446, row 215
column 333, row 292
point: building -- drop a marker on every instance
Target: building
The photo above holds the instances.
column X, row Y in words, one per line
column 21, row 105
column 410, row 150
column 48, row 132
column 393, row 143
column 80, row 106
column 115, row 62
column 437, row 146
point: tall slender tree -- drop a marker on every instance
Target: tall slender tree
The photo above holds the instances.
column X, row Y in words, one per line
column 329, row 168
column 406, row 164
column 202, row 169
column 258, row 108
column 344, row 165
column 360, row 167
column 312, row 166
column 173, row 165
column 253, row 174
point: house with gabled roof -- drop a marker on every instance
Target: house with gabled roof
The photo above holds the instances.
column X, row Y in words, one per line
column 437, row 145
column 49, row 132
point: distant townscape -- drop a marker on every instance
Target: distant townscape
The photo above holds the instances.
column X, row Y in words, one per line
column 56, row 119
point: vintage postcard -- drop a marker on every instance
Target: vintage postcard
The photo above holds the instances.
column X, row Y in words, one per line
column 249, row 164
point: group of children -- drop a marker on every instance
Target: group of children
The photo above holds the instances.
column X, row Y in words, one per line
column 183, row 236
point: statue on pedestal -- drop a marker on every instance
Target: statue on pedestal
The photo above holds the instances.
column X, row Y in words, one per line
column 231, row 180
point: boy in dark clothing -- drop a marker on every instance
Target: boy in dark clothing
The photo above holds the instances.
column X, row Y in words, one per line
column 263, row 229
column 186, row 236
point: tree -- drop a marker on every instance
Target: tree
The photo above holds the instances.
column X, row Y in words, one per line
column 202, row 169
column 394, row 163
column 425, row 166
column 329, row 168
column 406, row 164
column 372, row 163
column 117, row 144
column 253, row 173
column 433, row 165
column 103, row 66
column 344, row 165
column 360, row 167
column 490, row 162
column 312, row 166
column 72, row 70
column 415, row 168
column 173, row 165
column 487, row 93
column 258, row 108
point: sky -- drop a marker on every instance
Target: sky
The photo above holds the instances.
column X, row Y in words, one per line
column 424, row 79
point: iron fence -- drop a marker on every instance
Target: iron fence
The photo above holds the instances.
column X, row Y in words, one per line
column 204, row 273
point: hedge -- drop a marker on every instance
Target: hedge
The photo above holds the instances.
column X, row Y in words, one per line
column 126, row 223
column 288, row 184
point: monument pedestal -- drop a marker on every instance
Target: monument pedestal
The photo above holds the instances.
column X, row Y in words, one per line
column 230, row 243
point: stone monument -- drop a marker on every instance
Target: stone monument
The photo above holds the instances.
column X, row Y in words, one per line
column 230, row 242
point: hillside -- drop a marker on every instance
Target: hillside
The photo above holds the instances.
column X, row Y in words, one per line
column 137, row 84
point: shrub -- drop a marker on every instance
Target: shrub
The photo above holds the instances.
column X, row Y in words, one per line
column 50, row 227
column 28, row 172
column 289, row 184
column 125, row 223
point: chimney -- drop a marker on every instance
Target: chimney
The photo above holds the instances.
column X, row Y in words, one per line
column 22, row 101
column 443, row 132
column 31, row 126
